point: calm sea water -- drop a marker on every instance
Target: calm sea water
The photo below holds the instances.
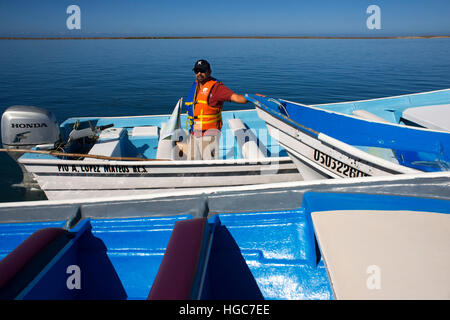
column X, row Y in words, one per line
column 139, row 77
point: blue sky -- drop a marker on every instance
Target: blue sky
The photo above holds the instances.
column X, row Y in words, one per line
column 222, row 18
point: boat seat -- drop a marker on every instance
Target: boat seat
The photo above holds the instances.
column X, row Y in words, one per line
column 147, row 131
column 28, row 259
column 181, row 269
column 108, row 143
column 393, row 254
column 368, row 116
column 166, row 148
column 436, row 117
column 247, row 140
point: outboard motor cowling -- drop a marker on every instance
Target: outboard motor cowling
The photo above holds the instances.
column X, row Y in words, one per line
column 27, row 126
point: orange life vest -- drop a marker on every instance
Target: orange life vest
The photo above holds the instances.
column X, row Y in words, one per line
column 205, row 117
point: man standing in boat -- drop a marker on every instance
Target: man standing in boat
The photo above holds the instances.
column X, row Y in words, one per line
column 204, row 105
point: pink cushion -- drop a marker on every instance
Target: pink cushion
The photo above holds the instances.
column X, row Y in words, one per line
column 178, row 269
column 25, row 252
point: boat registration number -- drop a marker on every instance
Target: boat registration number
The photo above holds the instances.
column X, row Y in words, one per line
column 338, row 166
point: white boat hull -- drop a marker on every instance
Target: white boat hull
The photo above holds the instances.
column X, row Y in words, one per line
column 323, row 157
column 65, row 179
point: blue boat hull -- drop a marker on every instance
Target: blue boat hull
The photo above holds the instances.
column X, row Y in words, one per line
column 331, row 143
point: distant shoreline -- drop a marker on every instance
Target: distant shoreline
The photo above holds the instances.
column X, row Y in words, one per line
column 223, row 37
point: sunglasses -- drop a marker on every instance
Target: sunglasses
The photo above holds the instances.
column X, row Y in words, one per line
column 200, row 70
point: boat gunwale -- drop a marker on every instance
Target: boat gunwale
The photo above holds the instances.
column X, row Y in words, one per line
column 310, row 131
column 149, row 162
column 140, row 116
column 359, row 118
column 381, row 98
column 218, row 190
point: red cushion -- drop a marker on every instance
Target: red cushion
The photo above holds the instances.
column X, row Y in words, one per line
column 178, row 269
column 25, row 252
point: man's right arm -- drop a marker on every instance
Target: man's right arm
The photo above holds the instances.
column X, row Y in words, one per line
column 238, row 98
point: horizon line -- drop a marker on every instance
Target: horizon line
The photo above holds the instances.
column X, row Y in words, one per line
column 221, row 37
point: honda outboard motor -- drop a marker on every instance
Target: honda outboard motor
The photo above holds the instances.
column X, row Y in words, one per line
column 24, row 127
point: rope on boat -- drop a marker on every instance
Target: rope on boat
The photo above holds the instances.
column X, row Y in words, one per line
column 79, row 155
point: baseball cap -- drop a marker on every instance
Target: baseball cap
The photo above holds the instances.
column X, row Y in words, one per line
column 202, row 66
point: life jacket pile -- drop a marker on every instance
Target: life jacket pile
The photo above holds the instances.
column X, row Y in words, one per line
column 200, row 115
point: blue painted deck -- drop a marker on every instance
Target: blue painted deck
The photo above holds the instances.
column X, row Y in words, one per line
column 118, row 259
column 267, row 255
column 135, row 248
column 132, row 146
column 255, row 255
